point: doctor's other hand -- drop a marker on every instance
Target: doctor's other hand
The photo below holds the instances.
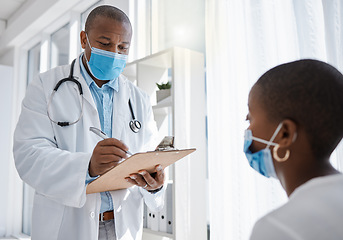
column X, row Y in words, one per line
column 106, row 155
column 148, row 181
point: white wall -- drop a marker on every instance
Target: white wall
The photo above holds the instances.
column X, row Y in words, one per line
column 7, row 57
column 5, row 141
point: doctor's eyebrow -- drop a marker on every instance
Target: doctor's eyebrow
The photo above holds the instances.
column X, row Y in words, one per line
column 109, row 39
column 103, row 37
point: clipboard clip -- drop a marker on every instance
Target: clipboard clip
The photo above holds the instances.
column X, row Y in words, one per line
column 166, row 144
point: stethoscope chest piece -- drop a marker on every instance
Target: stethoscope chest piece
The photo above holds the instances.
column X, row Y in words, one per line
column 134, row 124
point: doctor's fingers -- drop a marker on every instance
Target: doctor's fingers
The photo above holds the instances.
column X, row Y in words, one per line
column 103, row 168
column 153, row 182
column 113, row 142
column 159, row 174
column 109, row 158
column 138, row 180
column 111, row 150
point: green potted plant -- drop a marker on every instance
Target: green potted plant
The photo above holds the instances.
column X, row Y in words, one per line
column 164, row 91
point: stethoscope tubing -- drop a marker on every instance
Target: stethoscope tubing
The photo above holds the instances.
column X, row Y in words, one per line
column 134, row 124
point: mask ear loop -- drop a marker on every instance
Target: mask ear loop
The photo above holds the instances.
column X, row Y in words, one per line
column 274, row 135
column 270, row 142
column 89, row 46
column 87, row 61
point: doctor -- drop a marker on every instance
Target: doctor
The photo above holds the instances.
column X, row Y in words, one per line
column 59, row 161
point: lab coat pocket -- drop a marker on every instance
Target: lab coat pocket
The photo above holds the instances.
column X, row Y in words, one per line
column 46, row 217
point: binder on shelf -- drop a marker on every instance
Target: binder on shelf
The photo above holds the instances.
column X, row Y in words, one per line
column 166, row 214
column 115, row 178
column 154, row 221
column 149, row 218
column 145, row 216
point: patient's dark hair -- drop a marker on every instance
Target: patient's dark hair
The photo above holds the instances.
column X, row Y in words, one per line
column 309, row 92
column 106, row 11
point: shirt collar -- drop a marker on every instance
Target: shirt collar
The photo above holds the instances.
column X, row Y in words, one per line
column 114, row 83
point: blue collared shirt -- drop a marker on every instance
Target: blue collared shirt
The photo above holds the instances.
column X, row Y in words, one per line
column 103, row 98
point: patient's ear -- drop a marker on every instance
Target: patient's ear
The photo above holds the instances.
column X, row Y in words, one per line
column 287, row 134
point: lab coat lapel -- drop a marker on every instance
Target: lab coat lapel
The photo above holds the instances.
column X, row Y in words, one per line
column 90, row 112
column 86, row 92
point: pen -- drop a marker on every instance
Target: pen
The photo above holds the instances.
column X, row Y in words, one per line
column 103, row 135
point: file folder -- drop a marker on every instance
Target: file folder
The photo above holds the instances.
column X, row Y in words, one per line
column 154, row 221
column 115, row 178
column 145, row 216
column 149, row 218
column 166, row 214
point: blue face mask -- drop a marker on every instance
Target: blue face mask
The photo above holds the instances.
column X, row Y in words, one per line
column 262, row 160
column 105, row 65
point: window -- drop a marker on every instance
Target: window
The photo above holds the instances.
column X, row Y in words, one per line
column 33, row 62
column 59, row 51
column 174, row 26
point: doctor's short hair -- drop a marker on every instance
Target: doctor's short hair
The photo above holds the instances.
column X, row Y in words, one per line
column 310, row 93
column 106, row 11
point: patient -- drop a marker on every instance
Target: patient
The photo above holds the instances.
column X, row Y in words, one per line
column 296, row 121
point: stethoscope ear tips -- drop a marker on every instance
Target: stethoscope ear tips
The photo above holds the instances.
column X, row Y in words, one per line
column 135, row 125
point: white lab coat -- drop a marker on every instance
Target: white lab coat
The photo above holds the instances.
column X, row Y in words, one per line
column 54, row 160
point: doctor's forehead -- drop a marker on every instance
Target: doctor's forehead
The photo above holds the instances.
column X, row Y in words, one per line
column 108, row 14
column 110, row 31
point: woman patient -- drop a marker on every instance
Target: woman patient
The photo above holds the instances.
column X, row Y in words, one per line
column 296, row 121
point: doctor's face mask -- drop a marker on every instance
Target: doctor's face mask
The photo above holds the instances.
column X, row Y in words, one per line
column 105, row 65
column 262, row 160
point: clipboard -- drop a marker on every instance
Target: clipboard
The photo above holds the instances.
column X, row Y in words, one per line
column 115, row 178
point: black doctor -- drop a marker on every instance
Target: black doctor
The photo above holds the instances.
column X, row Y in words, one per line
column 111, row 31
column 59, row 160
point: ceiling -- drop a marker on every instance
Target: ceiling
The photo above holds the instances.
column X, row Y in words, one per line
column 8, row 7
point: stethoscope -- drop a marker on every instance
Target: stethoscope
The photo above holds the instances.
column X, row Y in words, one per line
column 134, row 124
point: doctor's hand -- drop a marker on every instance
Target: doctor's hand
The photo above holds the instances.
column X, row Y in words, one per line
column 148, row 181
column 106, row 155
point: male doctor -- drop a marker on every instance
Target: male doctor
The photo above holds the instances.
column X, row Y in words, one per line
column 59, row 161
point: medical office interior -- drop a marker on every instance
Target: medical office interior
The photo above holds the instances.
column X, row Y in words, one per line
column 212, row 52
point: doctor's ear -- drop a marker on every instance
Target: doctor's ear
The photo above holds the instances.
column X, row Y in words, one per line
column 83, row 39
column 288, row 133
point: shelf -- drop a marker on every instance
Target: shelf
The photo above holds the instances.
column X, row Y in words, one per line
column 161, row 108
column 162, row 234
column 130, row 71
column 174, row 116
column 167, row 102
column 162, row 60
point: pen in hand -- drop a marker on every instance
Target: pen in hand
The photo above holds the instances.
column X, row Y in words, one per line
column 103, row 135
